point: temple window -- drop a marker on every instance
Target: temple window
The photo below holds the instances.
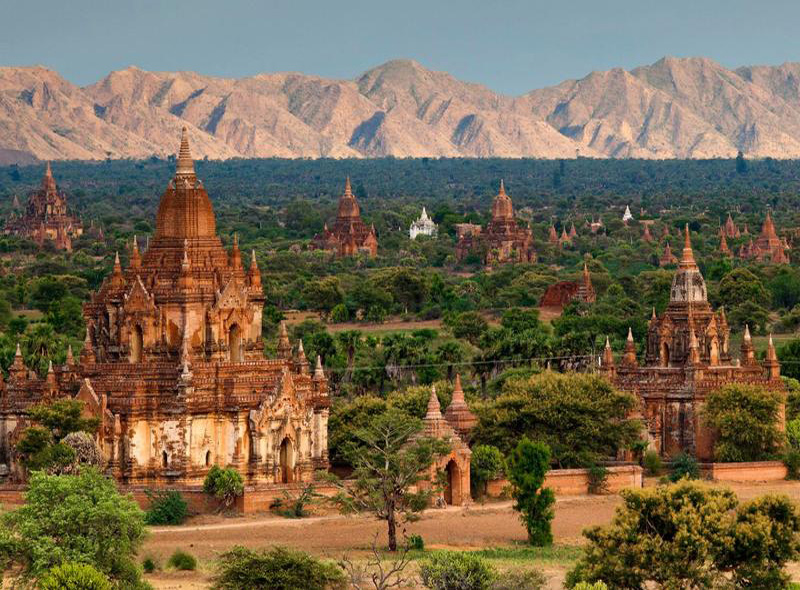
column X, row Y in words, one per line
column 235, row 344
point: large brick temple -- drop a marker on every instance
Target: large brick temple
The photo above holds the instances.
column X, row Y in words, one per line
column 173, row 363
column 687, row 357
column 46, row 217
column 503, row 240
column 350, row 235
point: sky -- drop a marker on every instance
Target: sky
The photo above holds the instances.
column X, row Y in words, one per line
column 511, row 46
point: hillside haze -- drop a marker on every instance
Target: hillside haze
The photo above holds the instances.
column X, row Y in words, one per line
column 674, row 108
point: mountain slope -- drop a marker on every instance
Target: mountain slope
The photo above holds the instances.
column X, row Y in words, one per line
column 674, row 108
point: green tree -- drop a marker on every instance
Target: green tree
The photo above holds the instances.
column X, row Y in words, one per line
column 485, row 465
column 691, row 536
column 75, row 518
column 323, row 295
column 527, row 466
column 225, row 484
column 451, row 570
column 469, row 325
column 277, row 568
column 745, row 418
column 789, row 357
column 74, row 576
column 741, row 286
column 389, row 459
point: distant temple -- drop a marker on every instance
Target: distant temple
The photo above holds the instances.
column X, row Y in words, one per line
column 173, row 363
column 667, row 258
column 350, row 235
column 687, row 357
column 560, row 294
column 627, row 216
column 424, row 226
column 503, row 240
column 723, row 246
column 768, row 247
column 46, row 217
column 730, row 230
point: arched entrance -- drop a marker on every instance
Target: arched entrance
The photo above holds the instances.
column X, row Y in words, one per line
column 235, row 344
column 164, row 459
column 137, row 344
column 664, row 354
column 452, row 490
column 287, row 461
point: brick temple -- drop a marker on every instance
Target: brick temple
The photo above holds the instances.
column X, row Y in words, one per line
column 46, row 217
column 767, row 247
column 173, row 363
column 687, row 357
column 350, row 235
column 561, row 294
column 503, row 240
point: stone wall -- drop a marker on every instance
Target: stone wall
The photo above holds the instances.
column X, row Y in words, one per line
column 755, row 471
column 571, row 482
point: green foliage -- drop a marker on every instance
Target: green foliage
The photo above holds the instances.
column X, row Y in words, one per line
column 598, row 479
column 469, row 325
column 76, row 518
column 61, row 417
column 582, row 418
column 450, row 570
column 416, row 543
column 519, row 580
column 486, row 464
column 684, row 466
column 745, row 418
column 689, row 535
column 74, row 576
column 793, row 433
column 741, row 286
column 652, row 462
column 225, row 484
column 789, row 356
column 792, row 461
column 275, row 569
column 389, row 458
column 295, row 505
column 149, row 565
column 527, row 466
column 166, row 507
column 590, row 586
column 183, row 561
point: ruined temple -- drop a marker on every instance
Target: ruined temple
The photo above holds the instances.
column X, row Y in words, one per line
column 350, row 235
column 687, row 356
column 560, row 294
column 46, row 217
column 768, row 247
column 503, row 240
column 173, row 363
column 667, row 258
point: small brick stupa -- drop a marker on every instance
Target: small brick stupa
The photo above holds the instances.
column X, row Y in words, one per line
column 350, row 235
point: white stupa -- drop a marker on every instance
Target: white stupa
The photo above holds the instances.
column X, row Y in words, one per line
column 424, row 226
column 627, row 216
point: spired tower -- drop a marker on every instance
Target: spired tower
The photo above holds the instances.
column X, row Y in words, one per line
column 350, row 235
column 687, row 356
column 173, row 359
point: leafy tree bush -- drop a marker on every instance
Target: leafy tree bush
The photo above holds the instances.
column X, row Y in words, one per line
column 166, row 507
column 485, row 465
column 149, row 565
column 792, row 461
column 789, row 356
column 527, row 467
column 75, row 518
column 225, row 484
column 688, row 535
column 275, row 569
column 183, row 561
column 745, row 418
column 416, row 542
column 519, row 580
column 451, row 570
column 652, row 462
column 598, row 479
column 590, row 586
column 74, row 576
column 582, row 418
column 793, row 433
column 684, row 466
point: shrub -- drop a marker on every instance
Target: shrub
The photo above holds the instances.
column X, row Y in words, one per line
column 792, row 461
column 75, row 518
column 745, row 418
column 514, row 580
column 294, row 506
column 224, row 484
column 652, row 462
column 684, row 466
column 416, row 543
column 793, row 433
column 166, row 507
column 275, row 569
column 486, row 464
column 149, row 565
column 450, row 570
column 589, row 586
column 689, row 535
column 527, row 467
column 181, row 560
column 74, row 576
column 598, row 479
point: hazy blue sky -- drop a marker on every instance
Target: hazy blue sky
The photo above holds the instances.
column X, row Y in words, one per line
column 509, row 45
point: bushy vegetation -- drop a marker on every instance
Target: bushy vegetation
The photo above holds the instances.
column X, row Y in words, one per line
column 486, row 464
column 183, row 561
column 688, row 535
column 275, row 569
column 527, row 466
column 166, row 507
column 450, row 570
column 74, row 576
column 225, row 484
column 684, row 466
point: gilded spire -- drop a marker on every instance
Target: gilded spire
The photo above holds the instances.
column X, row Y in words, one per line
column 185, row 166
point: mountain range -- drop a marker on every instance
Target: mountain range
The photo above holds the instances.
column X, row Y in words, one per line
column 674, row 108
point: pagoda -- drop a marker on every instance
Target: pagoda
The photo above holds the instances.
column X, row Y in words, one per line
column 768, row 247
column 687, row 356
column 559, row 295
column 349, row 236
column 173, row 362
column 503, row 239
column 424, row 226
column 46, row 217
column 667, row 258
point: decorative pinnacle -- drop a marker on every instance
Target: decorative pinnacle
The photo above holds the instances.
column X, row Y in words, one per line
column 253, row 263
column 434, row 408
column 50, row 367
column 347, row 190
column 608, row 343
column 185, row 163
column 630, row 334
column 747, row 333
column 458, row 392
column 19, row 351
column 318, row 372
column 502, row 187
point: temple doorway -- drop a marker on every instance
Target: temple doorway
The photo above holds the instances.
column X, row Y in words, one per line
column 286, row 461
column 137, row 343
column 452, row 490
column 235, row 343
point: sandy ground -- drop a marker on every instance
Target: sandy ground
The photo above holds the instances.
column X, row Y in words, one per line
column 479, row 526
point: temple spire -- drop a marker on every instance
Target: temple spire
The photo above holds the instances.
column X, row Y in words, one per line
column 434, row 407
column 502, row 187
column 629, row 357
column 185, row 166
column 687, row 258
column 117, row 279
column 319, row 373
column 136, row 259
column 284, row 346
column 348, row 191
